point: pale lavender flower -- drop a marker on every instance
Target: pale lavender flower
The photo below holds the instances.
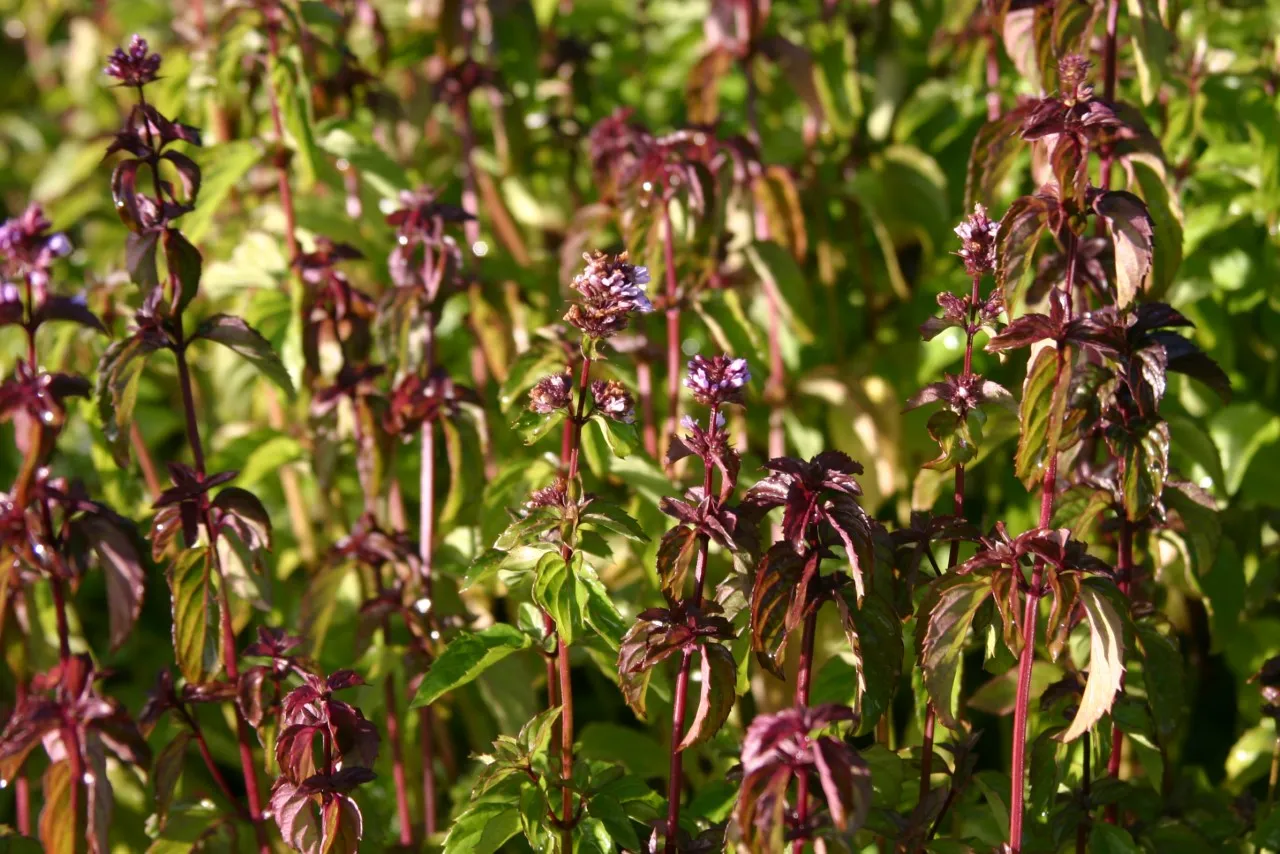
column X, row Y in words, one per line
column 717, row 380
column 612, row 291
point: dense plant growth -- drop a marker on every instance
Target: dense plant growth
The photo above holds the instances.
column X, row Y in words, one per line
column 502, row 426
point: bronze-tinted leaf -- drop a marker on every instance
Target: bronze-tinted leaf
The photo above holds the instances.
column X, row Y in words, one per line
column 719, row 679
column 951, row 604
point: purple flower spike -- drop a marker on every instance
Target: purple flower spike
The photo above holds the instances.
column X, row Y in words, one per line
column 717, row 380
column 612, row 291
column 978, row 242
column 137, row 66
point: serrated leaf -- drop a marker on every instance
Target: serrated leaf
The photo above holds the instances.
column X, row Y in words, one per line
column 466, row 657
column 239, row 336
column 1106, row 654
column 558, row 591
column 532, row 426
column 620, row 436
column 717, row 695
column 952, row 602
column 1133, row 238
column 194, row 638
column 1041, row 414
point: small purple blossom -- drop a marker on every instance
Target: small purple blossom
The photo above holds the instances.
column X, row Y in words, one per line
column 717, row 380
column 135, row 67
column 554, row 495
column 978, row 242
column 613, row 399
column 612, row 291
column 551, row 393
column 27, row 249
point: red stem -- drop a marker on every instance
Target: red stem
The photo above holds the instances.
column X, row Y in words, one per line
column 1124, row 572
column 644, row 387
column 676, row 768
column 803, row 678
column 930, row 714
column 1109, row 85
column 562, row 651
column 673, row 321
column 209, row 763
column 426, row 551
column 229, row 652
column 282, row 170
column 993, row 77
column 397, row 763
column 1082, row 828
column 1030, row 613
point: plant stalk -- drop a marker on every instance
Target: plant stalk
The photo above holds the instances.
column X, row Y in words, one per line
column 1082, row 827
column 953, row 558
column 426, row 552
column 562, row 650
column 1124, row 573
column 229, row 653
column 1109, row 87
column 673, row 322
column 1030, row 612
column 676, row 770
column 803, row 678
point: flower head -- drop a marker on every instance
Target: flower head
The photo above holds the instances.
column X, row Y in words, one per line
column 1073, row 71
column 612, row 290
column 135, row 67
column 717, row 380
column 978, row 242
column 551, row 393
column 613, row 399
column 27, row 249
column 555, row 495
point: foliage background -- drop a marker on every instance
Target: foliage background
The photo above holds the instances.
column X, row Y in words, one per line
column 893, row 94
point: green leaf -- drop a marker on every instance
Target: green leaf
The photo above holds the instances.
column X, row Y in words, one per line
column 1240, row 431
column 875, row 634
column 638, row 751
column 951, row 603
column 1151, row 43
column 1162, row 673
column 116, row 392
column 1146, row 465
column 1041, row 413
column 466, row 657
column 532, row 426
column 558, row 591
column 1109, row 839
column 958, row 439
column 487, row 823
column 239, row 336
column 719, row 680
column 780, row 274
column 611, row 517
column 1148, row 173
column 166, row 770
column 620, row 436
column 222, row 167
column 1101, row 600
column 194, row 638
column 601, row 614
